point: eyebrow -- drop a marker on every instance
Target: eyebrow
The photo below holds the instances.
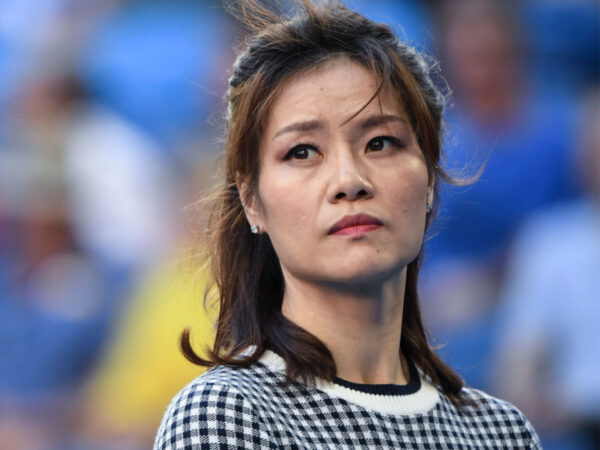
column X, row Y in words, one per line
column 375, row 121
column 311, row 125
column 300, row 126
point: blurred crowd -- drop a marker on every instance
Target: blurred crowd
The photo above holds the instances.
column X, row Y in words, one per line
column 111, row 113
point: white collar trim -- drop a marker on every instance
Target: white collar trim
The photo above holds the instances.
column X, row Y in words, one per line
column 416, row 403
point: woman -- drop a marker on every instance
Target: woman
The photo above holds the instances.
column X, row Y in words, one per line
column 331, row 155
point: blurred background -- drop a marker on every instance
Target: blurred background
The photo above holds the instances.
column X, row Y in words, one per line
column 110, row 119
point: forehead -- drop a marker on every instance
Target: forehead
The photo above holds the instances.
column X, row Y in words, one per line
column 335, row 91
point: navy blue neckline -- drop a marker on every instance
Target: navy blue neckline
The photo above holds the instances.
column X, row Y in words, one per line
column 414, row 384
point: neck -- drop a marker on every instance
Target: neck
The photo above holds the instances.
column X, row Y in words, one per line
column 360, row 325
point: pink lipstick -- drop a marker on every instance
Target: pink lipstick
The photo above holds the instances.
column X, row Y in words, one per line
column 355, row 226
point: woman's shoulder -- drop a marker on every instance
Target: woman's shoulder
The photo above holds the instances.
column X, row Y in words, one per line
column 498, row 417
column 478, row 402
column 231, row 379
column 225, row 382
column 219, row 380
column 213, row 409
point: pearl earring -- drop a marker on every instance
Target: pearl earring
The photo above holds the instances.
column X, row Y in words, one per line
column 254, row 229
column 428, row 208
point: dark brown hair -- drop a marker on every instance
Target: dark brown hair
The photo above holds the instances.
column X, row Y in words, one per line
column 247, row 275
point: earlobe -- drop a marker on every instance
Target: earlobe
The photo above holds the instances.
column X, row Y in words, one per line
column 430, row 195
column 429, row 201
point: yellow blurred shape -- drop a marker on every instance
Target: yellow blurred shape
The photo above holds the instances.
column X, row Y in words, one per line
column 144, row 367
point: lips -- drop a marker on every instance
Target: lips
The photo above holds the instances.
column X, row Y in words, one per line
column 359, row 223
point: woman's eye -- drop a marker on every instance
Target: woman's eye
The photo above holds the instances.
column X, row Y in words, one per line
column 382, row 143
column 302, row 152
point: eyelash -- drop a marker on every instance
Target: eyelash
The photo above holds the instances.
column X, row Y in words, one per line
column 290, row 154
column 390, row 139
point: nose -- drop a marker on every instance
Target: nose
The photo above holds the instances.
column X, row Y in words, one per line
column 348, row 179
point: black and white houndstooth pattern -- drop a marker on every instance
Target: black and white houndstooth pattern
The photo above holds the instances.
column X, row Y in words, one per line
column 253, row 408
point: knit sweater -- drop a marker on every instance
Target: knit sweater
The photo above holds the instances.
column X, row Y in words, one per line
column 254, row 407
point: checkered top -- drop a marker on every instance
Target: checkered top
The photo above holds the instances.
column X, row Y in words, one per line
column 255, row 408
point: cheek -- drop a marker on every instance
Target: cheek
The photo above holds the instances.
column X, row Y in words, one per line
column 408, row 186
column 288, row 218
column 284, row 205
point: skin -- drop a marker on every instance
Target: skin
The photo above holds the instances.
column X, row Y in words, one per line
column 319, row 164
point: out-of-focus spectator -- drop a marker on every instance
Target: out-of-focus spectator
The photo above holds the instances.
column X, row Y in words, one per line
column 125, row 398
column 104, row 108
column 522, row 139
column 499, row 119
column 548, row 358
column 123, row 193
column 117, row 186
column 144, row 369
column 60, row 291
column 42, row 38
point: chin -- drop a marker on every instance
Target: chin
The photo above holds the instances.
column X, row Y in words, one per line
column 366, row 271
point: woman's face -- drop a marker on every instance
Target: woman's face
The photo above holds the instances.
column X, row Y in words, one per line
column 342, row 200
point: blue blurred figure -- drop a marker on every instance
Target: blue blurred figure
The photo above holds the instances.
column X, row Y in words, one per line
column 521, row 136
column 547, row 355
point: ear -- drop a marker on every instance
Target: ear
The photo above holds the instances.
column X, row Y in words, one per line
column 249, row 202
column 430, row 191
